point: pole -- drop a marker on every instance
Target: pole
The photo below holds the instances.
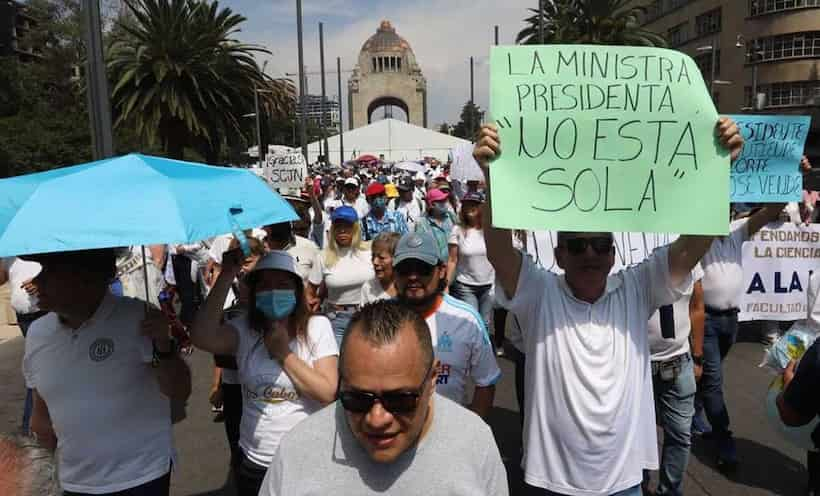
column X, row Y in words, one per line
column 341, row 126
column 322, row 105
column 755, row 103
column 99, row 103
column 496, row 34
column 302, row 89
column 712, row 80
column 472, row 98
column 258, row 123
column 541, row 22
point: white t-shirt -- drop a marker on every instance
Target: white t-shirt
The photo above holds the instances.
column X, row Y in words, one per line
column 463, row 346
column 412, row 211
column 306, row 254
column 473, row 267
column 359, row 204
column 21, row 271
column 664, row 349
column 723, row 268
column 345, row 279
column 373, row 290
column 813, row 302
column 271, row 404
column 589, row 416
column 113, row 424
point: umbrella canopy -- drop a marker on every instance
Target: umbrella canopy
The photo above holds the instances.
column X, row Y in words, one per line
column 131, row 200
column 367, row 158
column 410, row 166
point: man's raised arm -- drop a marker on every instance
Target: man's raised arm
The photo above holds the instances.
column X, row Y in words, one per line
column 504, row 258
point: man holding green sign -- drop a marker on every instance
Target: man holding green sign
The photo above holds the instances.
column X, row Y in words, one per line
column 589, row 419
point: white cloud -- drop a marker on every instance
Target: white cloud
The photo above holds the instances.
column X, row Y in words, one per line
column 443, row 35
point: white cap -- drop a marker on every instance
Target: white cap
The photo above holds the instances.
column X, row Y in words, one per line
column 277, row 260
column 351, row 181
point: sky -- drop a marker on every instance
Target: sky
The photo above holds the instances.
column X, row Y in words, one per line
column 442, row 33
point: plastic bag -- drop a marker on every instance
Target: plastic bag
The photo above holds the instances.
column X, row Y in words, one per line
column 788, row 347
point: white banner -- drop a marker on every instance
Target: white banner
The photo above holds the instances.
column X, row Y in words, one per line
column 285, row 167
column 777, row 264
column 630, row 248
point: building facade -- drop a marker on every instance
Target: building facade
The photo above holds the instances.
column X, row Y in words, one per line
column 766, row 53
column 326, row 116
column 15, row 22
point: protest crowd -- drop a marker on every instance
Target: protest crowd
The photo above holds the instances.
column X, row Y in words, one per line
column 355, row 349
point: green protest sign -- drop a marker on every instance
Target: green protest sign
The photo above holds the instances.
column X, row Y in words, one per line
column 605, row 138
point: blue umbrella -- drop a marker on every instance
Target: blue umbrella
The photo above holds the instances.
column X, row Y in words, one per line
column 131, row 200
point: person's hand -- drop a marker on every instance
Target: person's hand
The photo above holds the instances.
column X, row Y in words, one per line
column 698, row 372
column 156, row 326
column 487, row 147
column 805, row 165
column 788, row 373
column 232, row 260
column 277, row 340
column 730, row 137
column 29, row 287
column 215, row 397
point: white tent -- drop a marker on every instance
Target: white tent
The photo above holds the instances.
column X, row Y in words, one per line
column 395, row 139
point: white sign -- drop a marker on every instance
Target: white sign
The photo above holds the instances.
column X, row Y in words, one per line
column 285, row 167
column 464, row 167
column 630, row 248
column 777, row 264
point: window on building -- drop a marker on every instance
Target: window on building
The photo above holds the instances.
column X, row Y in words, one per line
column 678, row 35
column 399, row 64
column 374, row 64
column 708, row 23
column 789, row 94
column 704, row 62
column 786, row 46
column 760, row 7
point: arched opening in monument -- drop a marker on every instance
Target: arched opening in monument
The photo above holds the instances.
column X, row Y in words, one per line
column 393, row 108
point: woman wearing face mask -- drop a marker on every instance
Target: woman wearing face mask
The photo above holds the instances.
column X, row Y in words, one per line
column 438, row 220
column 287, row 357
column 383, row 286
column 469, row 271
column 380, row 219
column 344, row 266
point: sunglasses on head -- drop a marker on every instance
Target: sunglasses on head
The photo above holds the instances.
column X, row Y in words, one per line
column 414, row 267
column 601, row 245
column 395, row 402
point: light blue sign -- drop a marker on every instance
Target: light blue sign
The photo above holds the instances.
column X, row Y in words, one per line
column 768, row 170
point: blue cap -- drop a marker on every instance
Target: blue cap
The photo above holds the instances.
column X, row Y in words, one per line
column 345, row 213
column 417, row 246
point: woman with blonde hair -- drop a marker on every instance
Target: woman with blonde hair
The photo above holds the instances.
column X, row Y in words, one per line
column 344, row 266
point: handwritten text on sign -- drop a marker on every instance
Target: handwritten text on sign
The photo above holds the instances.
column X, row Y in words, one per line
column 604, row 138
column 777, row 264
column 767, row 170
column 286, row 168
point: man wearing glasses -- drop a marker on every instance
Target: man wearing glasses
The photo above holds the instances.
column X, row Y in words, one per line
column 389, row 432
column 460, row 338
column 589, row 419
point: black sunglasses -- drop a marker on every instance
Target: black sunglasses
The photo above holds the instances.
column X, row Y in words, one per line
column 396, row 402
column 414, row 267
column 602, row 245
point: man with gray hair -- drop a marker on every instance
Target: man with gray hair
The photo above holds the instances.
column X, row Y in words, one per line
column 369, row 442
column 26, row 468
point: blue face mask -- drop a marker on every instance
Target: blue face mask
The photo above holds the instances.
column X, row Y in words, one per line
column 380, row 203
column 276, row 304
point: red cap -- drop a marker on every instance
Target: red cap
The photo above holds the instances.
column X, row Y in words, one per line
column 375, row 189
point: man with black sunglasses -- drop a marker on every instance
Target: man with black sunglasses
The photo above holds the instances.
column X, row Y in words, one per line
column 459, row 334
column 589, row 419
column 389, row 433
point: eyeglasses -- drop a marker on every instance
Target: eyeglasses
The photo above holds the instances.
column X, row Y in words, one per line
column 601, row 245
column 414, row 267
column 395, row 402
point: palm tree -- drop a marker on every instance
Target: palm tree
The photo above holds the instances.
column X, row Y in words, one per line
column 181, row 78
column 595, row 22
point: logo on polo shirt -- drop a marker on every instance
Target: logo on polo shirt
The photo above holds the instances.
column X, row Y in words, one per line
column 445, row 343
column 101, row 349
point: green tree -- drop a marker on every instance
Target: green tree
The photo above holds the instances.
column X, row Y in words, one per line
column 471, row 118
column 183, row 80
column 595, row 22
column 445, row 128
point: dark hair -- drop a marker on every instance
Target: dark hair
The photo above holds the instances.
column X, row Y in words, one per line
column 298, row 319
column 462, row 219
column 381, row 322
column 561, row 236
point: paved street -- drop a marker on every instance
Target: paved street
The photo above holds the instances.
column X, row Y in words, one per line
column 768, row 465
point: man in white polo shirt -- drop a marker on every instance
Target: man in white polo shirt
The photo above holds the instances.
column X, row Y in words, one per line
column 102, row 371
column 460, row 337
column 722, row 289
column 589, row 425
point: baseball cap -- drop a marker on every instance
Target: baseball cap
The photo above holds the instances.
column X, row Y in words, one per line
column 375, row 189
column 352, row 181
column 345, row 213
column 277, row 260
column 407, row 184
column 391, row 191
column 435, row 195
column 474, row 196
column 417, row 246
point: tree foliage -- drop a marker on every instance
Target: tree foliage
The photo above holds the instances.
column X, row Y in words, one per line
column 594, row 22
column 471, row 119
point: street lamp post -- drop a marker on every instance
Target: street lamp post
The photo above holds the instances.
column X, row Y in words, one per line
column 341, row 126
column 754, row 59
column 99, row 103
column 322, row 104
column 302, row 90
column 541, row 22
column 258, row 125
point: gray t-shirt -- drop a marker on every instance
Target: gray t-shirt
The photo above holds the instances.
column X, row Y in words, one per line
column 458, row 457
